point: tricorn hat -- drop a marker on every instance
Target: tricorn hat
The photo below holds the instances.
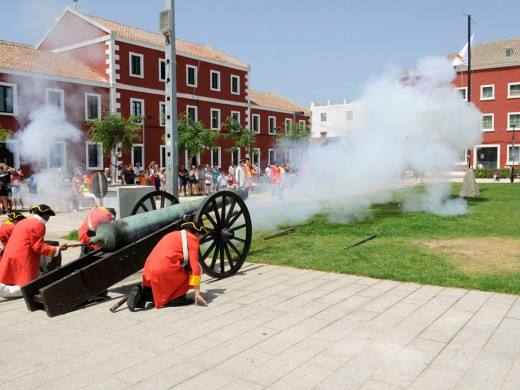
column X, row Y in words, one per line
column 16, row 215
column 194, row 227
column 42, row 209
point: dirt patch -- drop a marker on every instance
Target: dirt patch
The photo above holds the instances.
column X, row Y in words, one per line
column 493, row 255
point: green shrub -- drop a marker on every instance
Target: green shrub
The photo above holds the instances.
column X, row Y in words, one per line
column 487, row 173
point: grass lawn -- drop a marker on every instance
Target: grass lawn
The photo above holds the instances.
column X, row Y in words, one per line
column 479, row 250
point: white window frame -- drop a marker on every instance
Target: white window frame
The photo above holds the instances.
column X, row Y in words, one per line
column 162, row 61
column 351, row 112
column 238, row 115
column 287, row 123
column 238, row 152
column 219, row 151
column 482, row 92
column 161, row 153
column 302, row 123
column 62, row 98
column 238, row 84
column 142, row 152
column 269, row 156
column 301, row 156
column 509, row 91
column 141, row 64
column 465, row 89
column 211, row 72
column 273, row 130
column 14, row 148
column 15, row 99
column 187, row 161
column 196, row 116
column 509, row 128
column 64, row 156
column 253, row 123
column 492, row 122
column 288, row 152
column 211, row 118
column 323, row 117
column 162, row 120
column 517, row 156
column 132, row 100
column 98, row 96
column 195, row 75
column 99, row 155
column 256, row 158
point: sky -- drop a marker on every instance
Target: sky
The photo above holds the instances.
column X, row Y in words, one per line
column 307, row 51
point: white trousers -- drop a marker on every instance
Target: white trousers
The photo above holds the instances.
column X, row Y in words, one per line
column 7, row 291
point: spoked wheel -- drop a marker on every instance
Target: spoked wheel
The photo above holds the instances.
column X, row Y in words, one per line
column 152, row 201
column 225, row 248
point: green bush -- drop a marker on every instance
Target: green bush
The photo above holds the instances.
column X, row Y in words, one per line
column 487, row 173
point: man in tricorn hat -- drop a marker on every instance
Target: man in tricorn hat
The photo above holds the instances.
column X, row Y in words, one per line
column 171, row 270
column 95, row 216
column 21, row 260
column 7, row 227
column 241, row 174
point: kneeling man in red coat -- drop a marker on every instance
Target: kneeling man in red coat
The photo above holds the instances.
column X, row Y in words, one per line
column 171, row 270
column 21, row 260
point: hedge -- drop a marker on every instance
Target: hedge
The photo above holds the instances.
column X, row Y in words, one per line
column 487, row 173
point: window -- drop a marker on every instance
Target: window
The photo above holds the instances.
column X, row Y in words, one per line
column 350, row 115
column 137, row 107
column 56, row 155
column 235, row 115
column 256, row 123
column 136, row 65
column 510, row 156
column 513, row 119
column 463, row 93
column 191, row 112
column 163, row 156
column 215, row 157
column 235, row 85
column 288, row 155
column 487, row 92
column 94, row 156
column 288, row 123
column 323, row 117
column 191, row 76
column 215, row 119
column 272, row 156
column 509, row 52
column 514, row 90
column 10, row 153
column 323, row 134
column 162, row 70
column 487, row 122
column 272, row 125
column 137, row 154
column 7, row 99
column 55, row 99
column 92, row 106
column 256, row 157
column 302, row 124
column 235, row 156
column 162, row 114
column 215, row 80
column 302, row 156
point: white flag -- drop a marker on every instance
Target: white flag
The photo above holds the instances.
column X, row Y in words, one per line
column 462, row 57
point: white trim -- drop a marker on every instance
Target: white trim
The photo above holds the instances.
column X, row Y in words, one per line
column 302, row 122
column 99, row 150
column 50, row 77
column 233, row 76
column 509, row 90
column 64, row 155
column 253, row 123
column 162, row 122
column 141, row 64
column 161, row 162
column 466, row 92
column 98, row 96
column 238, row 152
column 219, row 151
column 287, row 122
column 271, row 131
column 82, row 44
column 482, row 92
column 162, row 60
column 269, row 156
column 288, row 152
column 196, row 73
column 301, row 156
column 509, row 128
column 15, row 99
column 258, row 157
column 211, row 118
column 475, row 147
column 238, row 115
column 14, row 147
column 132, row 100
column 142, row 153
column 196, row 116
column 517, row 156
column 492, row 123
column 211, row 73
column 61, row 92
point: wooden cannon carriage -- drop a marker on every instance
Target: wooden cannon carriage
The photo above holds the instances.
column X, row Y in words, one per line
column 127, row 242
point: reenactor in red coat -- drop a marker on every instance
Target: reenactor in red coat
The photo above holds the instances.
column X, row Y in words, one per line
column 96, row 216
column 7, row 227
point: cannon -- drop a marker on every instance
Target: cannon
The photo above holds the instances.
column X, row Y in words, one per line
column 127, row 242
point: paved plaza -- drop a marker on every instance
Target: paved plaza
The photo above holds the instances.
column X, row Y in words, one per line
column 269, row 327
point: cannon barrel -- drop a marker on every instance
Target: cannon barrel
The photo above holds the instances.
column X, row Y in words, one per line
column 116, row 234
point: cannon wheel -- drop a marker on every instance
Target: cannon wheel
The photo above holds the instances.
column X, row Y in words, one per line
column 225, row 248
column 149, row 202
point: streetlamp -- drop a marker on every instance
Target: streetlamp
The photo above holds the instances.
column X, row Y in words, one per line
column 294, row 129
column 513, row 166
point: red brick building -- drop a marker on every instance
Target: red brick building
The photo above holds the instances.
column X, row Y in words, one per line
column 88, row 65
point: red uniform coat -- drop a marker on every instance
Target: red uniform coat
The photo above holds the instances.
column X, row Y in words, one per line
column 97, row 215
column 21, row 258
column 6, row 229
column 163, row 270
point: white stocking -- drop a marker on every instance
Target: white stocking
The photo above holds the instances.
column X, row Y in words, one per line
column 7, row 291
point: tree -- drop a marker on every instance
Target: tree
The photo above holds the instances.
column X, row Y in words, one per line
column 114, row 131
column 4, row 133
column 194, row 137
column 296, row 133
column 243, row 138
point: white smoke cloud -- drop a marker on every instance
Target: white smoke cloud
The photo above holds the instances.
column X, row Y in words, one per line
column 423, row 124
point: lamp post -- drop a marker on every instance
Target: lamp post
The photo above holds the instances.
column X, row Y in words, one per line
column 294, row 130
column 513, row 166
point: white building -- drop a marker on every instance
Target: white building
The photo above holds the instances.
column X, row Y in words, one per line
column 334, row 118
